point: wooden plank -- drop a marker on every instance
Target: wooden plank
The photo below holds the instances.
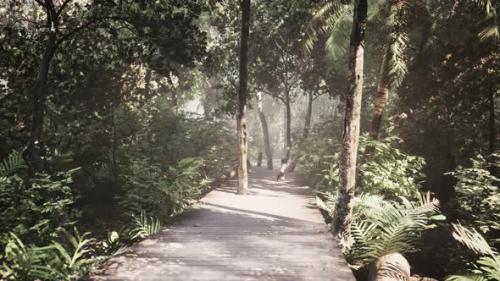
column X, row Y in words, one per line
column 274, row 233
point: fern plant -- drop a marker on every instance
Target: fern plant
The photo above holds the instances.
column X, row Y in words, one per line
column 75, row 262
column 380, row 226
column 144, row 226
column 11, row 164
column 58, row 261
column 23, row 262
column 487, row 267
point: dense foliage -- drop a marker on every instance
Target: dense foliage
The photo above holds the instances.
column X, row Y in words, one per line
column 114, row 118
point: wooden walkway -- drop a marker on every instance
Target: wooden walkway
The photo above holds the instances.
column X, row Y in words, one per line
column 274, row 233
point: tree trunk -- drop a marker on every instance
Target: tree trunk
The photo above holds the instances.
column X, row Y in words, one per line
column 35, row 145
column 242, row 99
column 265, row 133
column 307, row 129
column 307, row 125
column 492, row 125
column 288, row 137
column 347, row 163
column 382, row 94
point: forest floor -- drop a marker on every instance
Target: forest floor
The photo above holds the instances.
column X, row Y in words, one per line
column 273, row 233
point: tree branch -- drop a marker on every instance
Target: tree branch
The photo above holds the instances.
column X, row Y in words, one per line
column 272, row 95
column 63, row 6
column 41, row 3
column 84, row 26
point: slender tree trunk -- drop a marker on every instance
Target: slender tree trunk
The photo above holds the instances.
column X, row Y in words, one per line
column 288, row 137
column 242, row 99
column 288, row 120
column 40, row 92
column 492, row 125
column 347, row 163
column 382, row 94
column 307, row 129
column 265, row 133
column 307, row 125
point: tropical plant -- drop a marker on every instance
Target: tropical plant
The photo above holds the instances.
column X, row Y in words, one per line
column 163, row 193
column 388, row 171
column 13, row 162
column 66, row 261
column 381, row 226
column 478, row 193
column 23, row 262
column 144, row 226
column 487, row 266
column 33, row 206
column 489, row 28
column 113, row 244
column 71, row 260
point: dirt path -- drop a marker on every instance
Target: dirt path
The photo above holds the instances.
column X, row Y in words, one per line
column 274, row 233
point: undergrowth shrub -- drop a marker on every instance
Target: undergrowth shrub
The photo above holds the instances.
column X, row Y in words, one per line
column 163, row 193
column 486, row 266
column 478, row 195
column 386, row 171
column 69, row 259
column 33, row 207
column 381, row 226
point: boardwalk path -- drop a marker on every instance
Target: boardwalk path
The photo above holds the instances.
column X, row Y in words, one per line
column 274, row 233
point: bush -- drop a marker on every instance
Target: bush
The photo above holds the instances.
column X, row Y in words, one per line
column 163, row 193
column 387, row 171
column 33, row 208
column 478, row 194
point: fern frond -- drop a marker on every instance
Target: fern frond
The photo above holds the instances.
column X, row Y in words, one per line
column 389, row 227
column 145, row 226
column 490, row 31
column 471, row 277
column 472, row 240
column 491, row 266
column 11, row 164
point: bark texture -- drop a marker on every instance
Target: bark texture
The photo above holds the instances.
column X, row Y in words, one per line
column 492, row 125
column 347, row 163
column 265, row 133
column 307, row 124
column 285, row 161
column 40, row 91
column 242, row 99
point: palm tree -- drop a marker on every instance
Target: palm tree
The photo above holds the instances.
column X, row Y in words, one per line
column 352, row 117
column 331, row 17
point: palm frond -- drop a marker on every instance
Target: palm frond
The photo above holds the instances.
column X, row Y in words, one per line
column 397, row 41
column 489, row 31
column 472, row 240
column 325, row 20
column 490, row 28
column 398, row 61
